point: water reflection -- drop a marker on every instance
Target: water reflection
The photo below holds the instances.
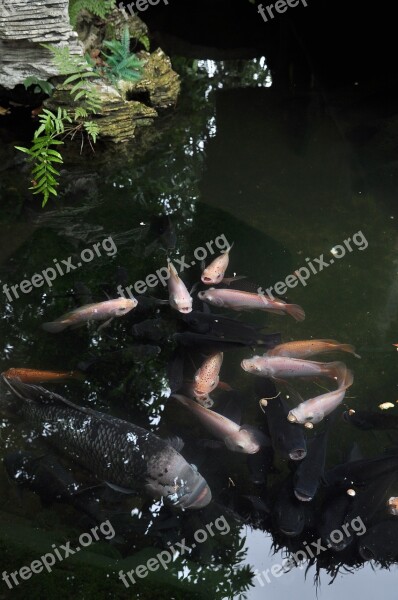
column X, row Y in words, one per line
column 125, row 374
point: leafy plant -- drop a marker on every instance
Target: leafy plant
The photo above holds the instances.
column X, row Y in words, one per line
column 144, row 40
column 120, row 62
column 41, row 85
column 43, row 154
column 99, row 8
column 53, row 126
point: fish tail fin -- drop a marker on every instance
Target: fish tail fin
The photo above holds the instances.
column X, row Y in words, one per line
column 337, row 370
column 348, row 379
column 348, row 348
column 222, row 385
column 38, row 394
column 55, row 326
column 295, row 311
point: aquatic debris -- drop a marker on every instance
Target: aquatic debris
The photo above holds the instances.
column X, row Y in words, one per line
column 386, row 405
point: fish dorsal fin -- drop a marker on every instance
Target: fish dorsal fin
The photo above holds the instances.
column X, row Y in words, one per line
column 39, row 394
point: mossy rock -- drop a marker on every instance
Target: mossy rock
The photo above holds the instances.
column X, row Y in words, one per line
column 158, row 81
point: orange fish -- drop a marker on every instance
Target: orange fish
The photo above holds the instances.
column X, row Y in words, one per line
column 306, row 348
column 36, row 376
column 207, row 376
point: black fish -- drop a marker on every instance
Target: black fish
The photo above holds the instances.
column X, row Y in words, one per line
column 206, row 343
column 120, row 453
column 360, row 472
column 287, row 438
column 260, row 465
column 45, row 476
column 372, row 498
column 153, row 330
column 333, row 513
column 380, row 542
column 363, row 419
column 225, row 328
column 309, row 473
column 175, row 370
column 128, row 355
column 289, row 513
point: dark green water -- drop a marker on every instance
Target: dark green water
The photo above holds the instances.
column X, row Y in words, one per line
column 282, row 178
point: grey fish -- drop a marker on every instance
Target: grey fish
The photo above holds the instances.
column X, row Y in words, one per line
column 124, row 455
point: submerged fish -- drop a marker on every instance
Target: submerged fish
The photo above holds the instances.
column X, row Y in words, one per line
column 237, row 300
column 289, row 513
column 380, row 542
column 306, row 348
column 370, row 420
column 46, row 477
column 207, row 376
column 138, row 353
column 225, row 328
column 237, row 438
column 310, row 471
column 281, row 367
column 36, row 376
column 153, row 330
column 315, row 409
column 214, row 273
column 101, row 311
column 287, row 438
column 332, row 517
column 361, row 472
column 206, row 343
column 122, row 454
column 179, row 297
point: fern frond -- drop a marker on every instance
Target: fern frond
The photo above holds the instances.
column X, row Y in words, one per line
column 92, row 129
column 120, row 63
column 99, row 8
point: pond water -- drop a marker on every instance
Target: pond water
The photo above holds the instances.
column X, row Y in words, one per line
column 286, row 179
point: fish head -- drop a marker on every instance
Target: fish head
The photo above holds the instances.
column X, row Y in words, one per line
column 123, row 306
column 251, row 365
column 298, row 454
column 242, row 441
column 182, row 303
column 211, row 277
column 182, row 486
column 207, row 296
column 193, row 491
